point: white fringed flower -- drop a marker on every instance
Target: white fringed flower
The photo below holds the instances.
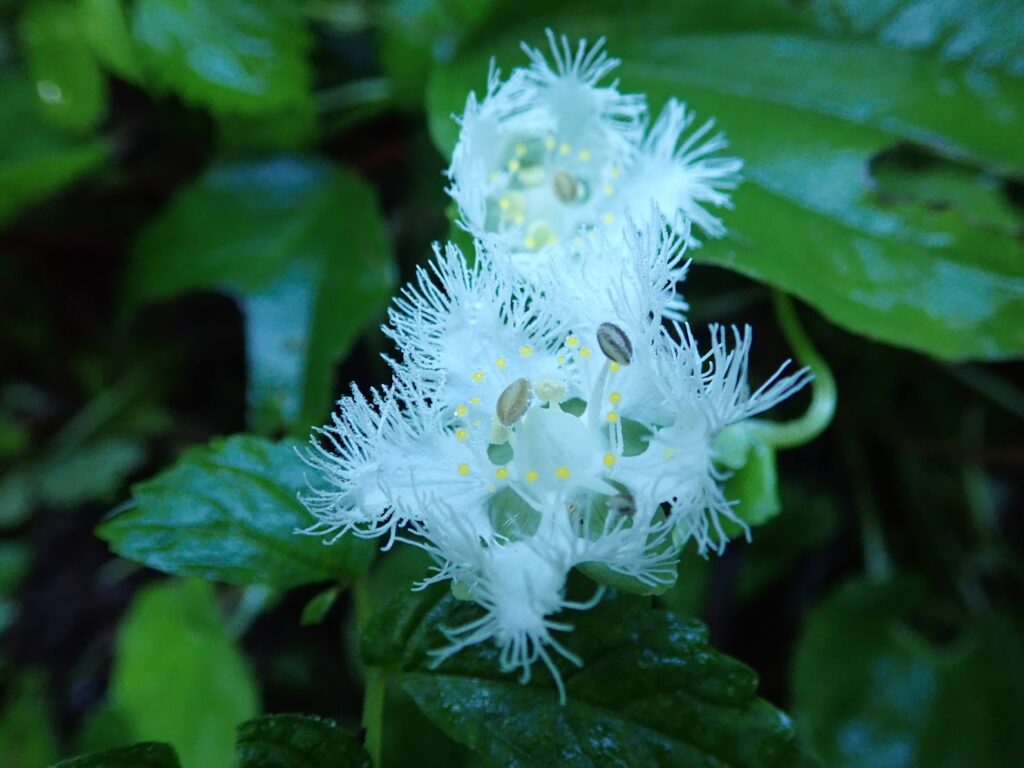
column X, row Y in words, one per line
column 548, row 410
column 551, row 158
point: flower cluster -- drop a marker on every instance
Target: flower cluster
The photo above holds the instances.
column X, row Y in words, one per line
column 549, row 409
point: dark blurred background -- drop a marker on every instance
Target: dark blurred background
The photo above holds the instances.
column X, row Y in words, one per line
column 205, row 207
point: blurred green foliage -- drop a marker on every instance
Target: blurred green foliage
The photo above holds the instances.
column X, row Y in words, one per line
column 205, row 207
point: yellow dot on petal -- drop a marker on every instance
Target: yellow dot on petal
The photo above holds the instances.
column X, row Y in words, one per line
column 550, row 143
column 513, row 165
column 494, row 176
column 520, row 150
column 519, row 218
column 571, row 341
column 505, row 203
column 560, row 359
column 608, row 190
column 531, row 476
column 501, row 473
column 530, row 242
column 461, row 434
column 501, row 362
column 565, row 149
column 609, row 460
column 461, row 411
column 474, row 401
column 614, row 397
column 584, row 351
column 668, row 453
column 463, row 469
column 478, row 376
column 615, row 172
column 608, row 218
column 552, row 239
column 562, row 473
column 613, row 366
column 612, row 417
column 525, row 351
column 585, row 155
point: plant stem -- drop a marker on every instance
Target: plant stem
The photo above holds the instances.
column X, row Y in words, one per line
column 376, row 681
column 819, row 413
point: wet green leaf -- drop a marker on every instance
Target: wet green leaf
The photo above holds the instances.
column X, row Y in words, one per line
column 808, row 108
column 292, row 741
column 71, row 89
column 245, row 56
column 871, row 690
column 229, row 511
column 178, row 677
column 301, row 243
column 149, row 755
column 651, row 691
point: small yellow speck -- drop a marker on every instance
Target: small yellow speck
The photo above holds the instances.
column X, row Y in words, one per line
column 501, row 362
column 501, row 473
column 668, row 453
column 612, row 417
column 476, row 423
column 585, row 155
column 505, row 203
column 494, row 176
column 571, row 341
column 519, row 218
column 513, row 165
column 552, row 239
column 492, row 488
column 461, row 411
column 584, row 351
column 614, row 397
column 461, row 434
column 609, row 460
column 530, row 242
column 550, row 143
column 608, row 218
column 608, row 190
column 613, row 366
column 520, row 150
column 474, row 401
column 478, row 376
column 615, row 172
column 463, row 469
column 531, row 476
column 525, row 351
column 562, row 473
column 560, row 359
column 565, row 149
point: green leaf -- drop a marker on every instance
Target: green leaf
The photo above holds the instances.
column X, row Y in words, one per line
column 316, row 610
column 292, row 741
column 71, row 88
column 302, row 245
column 245, row 56
column 36, row 160
column 106, row 27
column 229, row 511
column 27, row 735
column 149, row 755
column 870, row 689
column 754, row 487
column 96, row 470
column 808, row 109
column 178, row 676
column 651, row 691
